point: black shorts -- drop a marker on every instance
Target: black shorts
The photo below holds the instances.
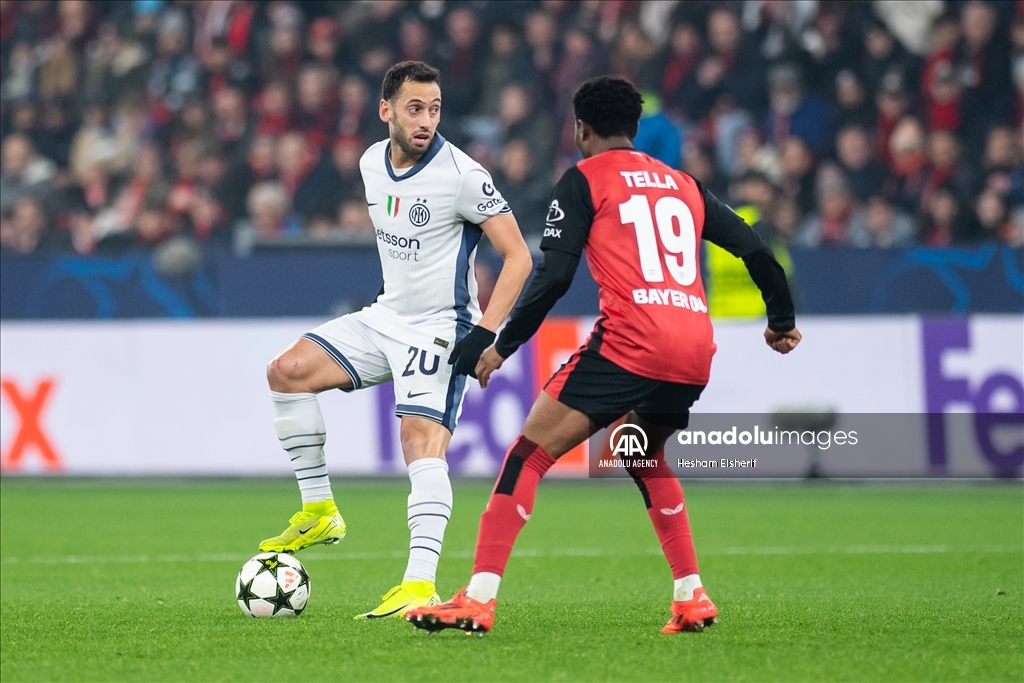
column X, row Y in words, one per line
column 592, row 384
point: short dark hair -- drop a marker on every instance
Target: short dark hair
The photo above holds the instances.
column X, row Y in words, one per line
column 610, row 105
column 398, row 74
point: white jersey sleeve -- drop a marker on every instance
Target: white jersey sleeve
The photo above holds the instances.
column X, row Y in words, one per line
column 477, row 199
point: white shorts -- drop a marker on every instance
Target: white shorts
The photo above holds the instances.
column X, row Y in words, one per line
column 424, row 384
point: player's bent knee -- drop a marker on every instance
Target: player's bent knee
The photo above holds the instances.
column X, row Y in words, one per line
column 415, row 443
column 285, row 373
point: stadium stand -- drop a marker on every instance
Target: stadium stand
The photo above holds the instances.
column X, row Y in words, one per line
column 126, row 124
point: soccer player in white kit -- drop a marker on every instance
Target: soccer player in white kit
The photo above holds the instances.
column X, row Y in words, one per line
column 430, row 204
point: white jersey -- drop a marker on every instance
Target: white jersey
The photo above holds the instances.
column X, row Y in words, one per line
column 426, row 219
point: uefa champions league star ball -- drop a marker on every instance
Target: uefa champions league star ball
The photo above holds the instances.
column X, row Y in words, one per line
column 272, row 585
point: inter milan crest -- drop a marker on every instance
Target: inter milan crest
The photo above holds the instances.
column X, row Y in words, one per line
column 419, row 215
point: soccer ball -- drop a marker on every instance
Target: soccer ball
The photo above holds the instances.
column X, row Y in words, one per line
column 272, row 585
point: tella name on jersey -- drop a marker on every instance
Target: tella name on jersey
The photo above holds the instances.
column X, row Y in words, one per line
column 645, row 179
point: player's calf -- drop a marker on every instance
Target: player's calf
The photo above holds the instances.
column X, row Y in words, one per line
column 301, row 432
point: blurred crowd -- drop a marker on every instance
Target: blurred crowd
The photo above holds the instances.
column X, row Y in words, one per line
column 126, row 123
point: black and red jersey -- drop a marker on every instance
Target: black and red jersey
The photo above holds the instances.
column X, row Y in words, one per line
column 640, row 224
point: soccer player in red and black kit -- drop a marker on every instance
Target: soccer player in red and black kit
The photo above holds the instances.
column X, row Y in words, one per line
column 649, row 355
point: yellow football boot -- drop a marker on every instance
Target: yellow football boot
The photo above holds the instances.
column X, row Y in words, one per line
column 402, row 598
column 305, row 529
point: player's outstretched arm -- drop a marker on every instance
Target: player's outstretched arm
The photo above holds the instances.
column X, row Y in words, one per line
column 503, row 232
column 550, row 282
column 724, row 228
column 566, row 229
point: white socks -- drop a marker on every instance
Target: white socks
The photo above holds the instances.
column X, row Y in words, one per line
column 483, row 587
column 302, row 433
column 430, row 507
column 684, row 587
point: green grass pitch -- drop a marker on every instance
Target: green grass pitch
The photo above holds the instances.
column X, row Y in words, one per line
column 133, row 580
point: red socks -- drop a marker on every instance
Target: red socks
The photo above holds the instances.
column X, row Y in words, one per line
column 511, row 505
column 663, row 496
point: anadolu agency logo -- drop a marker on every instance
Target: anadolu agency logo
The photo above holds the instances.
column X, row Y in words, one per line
column 628, row 441
column 628, row 446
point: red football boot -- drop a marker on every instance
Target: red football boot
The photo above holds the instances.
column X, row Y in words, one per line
column 461, row 612
column 692, row 615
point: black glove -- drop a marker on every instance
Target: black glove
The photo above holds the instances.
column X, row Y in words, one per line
column 466, row 352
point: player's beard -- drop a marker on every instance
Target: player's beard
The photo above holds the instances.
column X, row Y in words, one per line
column 404, row 142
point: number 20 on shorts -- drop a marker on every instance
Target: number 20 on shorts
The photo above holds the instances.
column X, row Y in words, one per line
column 413, row 353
